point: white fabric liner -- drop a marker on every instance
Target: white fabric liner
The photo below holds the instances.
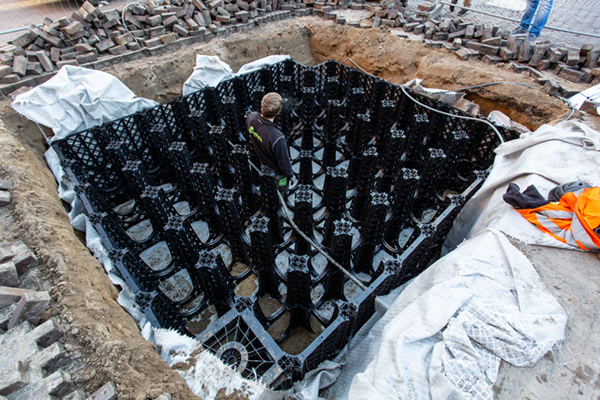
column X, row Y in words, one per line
column 210, row 71
column 76, row 99
column 446, row 331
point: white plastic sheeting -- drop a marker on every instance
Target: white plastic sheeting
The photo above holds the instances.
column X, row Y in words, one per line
column 210, row 71
column 444, row 336
column 550, row 156
column 77, row 99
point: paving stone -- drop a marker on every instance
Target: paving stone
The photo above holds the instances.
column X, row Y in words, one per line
column 157, row 31
column 30, row 308
column 525, row 52
column 473, row 45
column 152, row 42
column 481, row 32
column 506, row 54
column 485, row 49
column 13, row 378
column 5, row 197
column 538, row 54
column 587, row 75
column 555, row 55
column 457, row 34
column 11, row 295
column 544, row 65
column 465, row 54
column 106, row 392
column 573, row 58
column 492, row 60
column 8, row 275
column 168, row 38
column 73, row 28
column 104, row 45
column 5, row 70
column 86, row 58
column 585, row 49
column 24, row 261
column 495, row 41
column 50, row 358
column 170, row 21
column 117, row 50
column 19, row 66
column 133, row 46
column 10, row 78
column 440, row 36
column 45, row 60
column 10, row 249
column 35, row 68
column 24, row 39
column 571, row 75
column 5, row 315
column 181, row 31
column 592, row 58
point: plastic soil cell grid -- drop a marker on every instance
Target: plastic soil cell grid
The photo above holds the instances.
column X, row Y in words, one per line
column 201, row 238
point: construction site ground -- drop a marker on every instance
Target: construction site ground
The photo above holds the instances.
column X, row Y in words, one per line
column 105, row 340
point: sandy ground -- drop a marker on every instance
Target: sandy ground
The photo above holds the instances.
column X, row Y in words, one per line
column 103, row 337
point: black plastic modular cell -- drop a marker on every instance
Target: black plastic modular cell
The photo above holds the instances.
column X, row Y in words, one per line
column 187, row 222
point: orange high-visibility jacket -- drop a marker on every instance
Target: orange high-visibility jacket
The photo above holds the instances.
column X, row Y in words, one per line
column 572, row 220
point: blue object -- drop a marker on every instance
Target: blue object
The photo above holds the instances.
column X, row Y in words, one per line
column 543, row 8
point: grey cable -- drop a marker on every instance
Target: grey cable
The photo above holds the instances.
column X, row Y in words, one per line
column 454, row 115
column 309, row 240
column 438, row 111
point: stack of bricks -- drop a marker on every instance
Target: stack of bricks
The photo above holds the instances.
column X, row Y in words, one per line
column 489, row 43
column 90, row 34
column 496, row 46
column 18, row 305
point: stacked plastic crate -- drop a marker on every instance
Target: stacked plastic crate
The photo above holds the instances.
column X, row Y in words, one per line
column 188, row 222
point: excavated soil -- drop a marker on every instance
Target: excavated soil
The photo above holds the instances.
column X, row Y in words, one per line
column 100, row 335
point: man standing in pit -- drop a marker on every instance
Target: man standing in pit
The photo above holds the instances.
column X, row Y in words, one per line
column 268, row 141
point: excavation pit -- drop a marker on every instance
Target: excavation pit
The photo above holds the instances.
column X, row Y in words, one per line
column 200, row 237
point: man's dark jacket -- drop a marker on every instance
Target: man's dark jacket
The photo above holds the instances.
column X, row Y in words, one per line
column 270, row 145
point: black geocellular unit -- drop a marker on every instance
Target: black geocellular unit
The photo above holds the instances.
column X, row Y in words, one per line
column 186, row 221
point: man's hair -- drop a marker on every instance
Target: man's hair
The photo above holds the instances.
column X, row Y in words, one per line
column 270, row 105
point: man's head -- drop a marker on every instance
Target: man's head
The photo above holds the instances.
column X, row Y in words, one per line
column 270, row 105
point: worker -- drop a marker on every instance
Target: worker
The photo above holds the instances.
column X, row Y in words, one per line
column 571, row 214
column 268, row 141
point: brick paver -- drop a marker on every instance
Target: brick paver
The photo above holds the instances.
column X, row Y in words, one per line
column 577, row 15
column 17, row 14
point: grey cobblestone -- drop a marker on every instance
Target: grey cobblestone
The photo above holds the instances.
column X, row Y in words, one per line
column 31, row 362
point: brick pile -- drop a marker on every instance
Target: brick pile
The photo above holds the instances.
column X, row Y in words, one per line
column 31, row 359
column 496, row 46
column 90, row 35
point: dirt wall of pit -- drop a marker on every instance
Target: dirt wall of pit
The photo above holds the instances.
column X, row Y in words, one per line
column 108, row 340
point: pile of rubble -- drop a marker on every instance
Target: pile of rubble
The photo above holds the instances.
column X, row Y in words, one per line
column 89, row 34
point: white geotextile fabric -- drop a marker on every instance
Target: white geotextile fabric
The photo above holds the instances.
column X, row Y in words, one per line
column 78, row 98
column 210, row 71
column 444, row 336
column 550, row 156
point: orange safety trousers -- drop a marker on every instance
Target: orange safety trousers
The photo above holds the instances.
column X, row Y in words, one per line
column 572, row 220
